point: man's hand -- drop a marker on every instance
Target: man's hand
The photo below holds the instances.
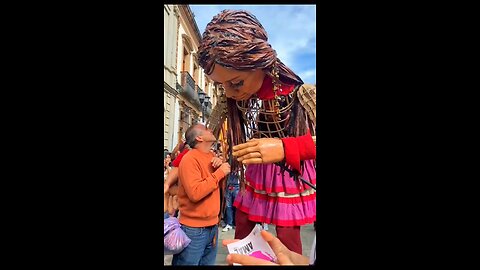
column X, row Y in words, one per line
column 173, row 190
column 165, row 202
column 225, row 167
column 259, row 151
column 165, row 188
column 216, row 162
column 284, row 255
column 171, row 211
column 282, row 259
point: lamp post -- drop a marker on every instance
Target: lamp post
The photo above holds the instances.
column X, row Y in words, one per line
column 204, row 99
column 207, row 99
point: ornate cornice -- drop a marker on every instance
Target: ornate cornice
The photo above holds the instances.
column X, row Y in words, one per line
column 186, row 103
column 169, row 89
column 170, row 70
column 191, row 20
column 175, row 11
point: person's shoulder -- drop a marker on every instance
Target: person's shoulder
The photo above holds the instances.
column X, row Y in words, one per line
column 178, row 159
column 190, row 160
column 191, row 154
column 184, row 153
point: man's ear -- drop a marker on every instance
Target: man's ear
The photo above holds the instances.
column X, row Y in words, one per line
column 199, row 138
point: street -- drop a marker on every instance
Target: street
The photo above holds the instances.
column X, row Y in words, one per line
column 307, row 233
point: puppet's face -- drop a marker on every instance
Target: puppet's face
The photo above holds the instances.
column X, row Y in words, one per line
column 238, row 85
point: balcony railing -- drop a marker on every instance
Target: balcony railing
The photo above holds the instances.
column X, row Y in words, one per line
column 188, row 88
column 198, row 88
column 187, row 80
column 179, row 88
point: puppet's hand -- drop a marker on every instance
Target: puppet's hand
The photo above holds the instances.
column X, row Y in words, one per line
column 257, row 151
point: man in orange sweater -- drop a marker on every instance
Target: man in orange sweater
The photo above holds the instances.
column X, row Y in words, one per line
column 199, row 175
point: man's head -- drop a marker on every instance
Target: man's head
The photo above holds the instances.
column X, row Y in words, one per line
column 198, row 136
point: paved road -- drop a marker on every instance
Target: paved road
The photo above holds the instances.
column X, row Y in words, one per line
column 307, row 234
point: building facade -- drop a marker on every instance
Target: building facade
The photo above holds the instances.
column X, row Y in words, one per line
column 170, row 90
column 184, row 78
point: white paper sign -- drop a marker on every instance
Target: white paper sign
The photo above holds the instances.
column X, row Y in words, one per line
column 253, row 245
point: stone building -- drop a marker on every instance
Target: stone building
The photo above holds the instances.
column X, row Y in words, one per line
column 184, row 79
column 170, row 90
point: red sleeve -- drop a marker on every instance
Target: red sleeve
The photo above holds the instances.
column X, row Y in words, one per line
column 297, row 149
column 176, row 162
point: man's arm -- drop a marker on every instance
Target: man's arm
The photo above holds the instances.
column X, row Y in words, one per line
column 172, row 178
column 194, row 184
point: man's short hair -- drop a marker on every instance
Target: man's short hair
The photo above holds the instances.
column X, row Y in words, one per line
column 192, row 133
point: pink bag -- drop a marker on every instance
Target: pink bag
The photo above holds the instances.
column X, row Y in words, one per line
column 174, row 238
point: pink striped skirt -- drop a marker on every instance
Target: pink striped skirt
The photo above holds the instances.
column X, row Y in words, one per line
column 276, row 198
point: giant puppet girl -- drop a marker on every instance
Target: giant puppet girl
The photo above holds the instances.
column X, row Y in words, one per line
column 271, row 122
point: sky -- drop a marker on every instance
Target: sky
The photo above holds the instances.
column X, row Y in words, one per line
column 291, row 31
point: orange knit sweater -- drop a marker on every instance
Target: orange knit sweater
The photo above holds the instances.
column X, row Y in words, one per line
column 198, row 193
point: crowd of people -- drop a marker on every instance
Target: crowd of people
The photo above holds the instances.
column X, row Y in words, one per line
column 256, row 176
